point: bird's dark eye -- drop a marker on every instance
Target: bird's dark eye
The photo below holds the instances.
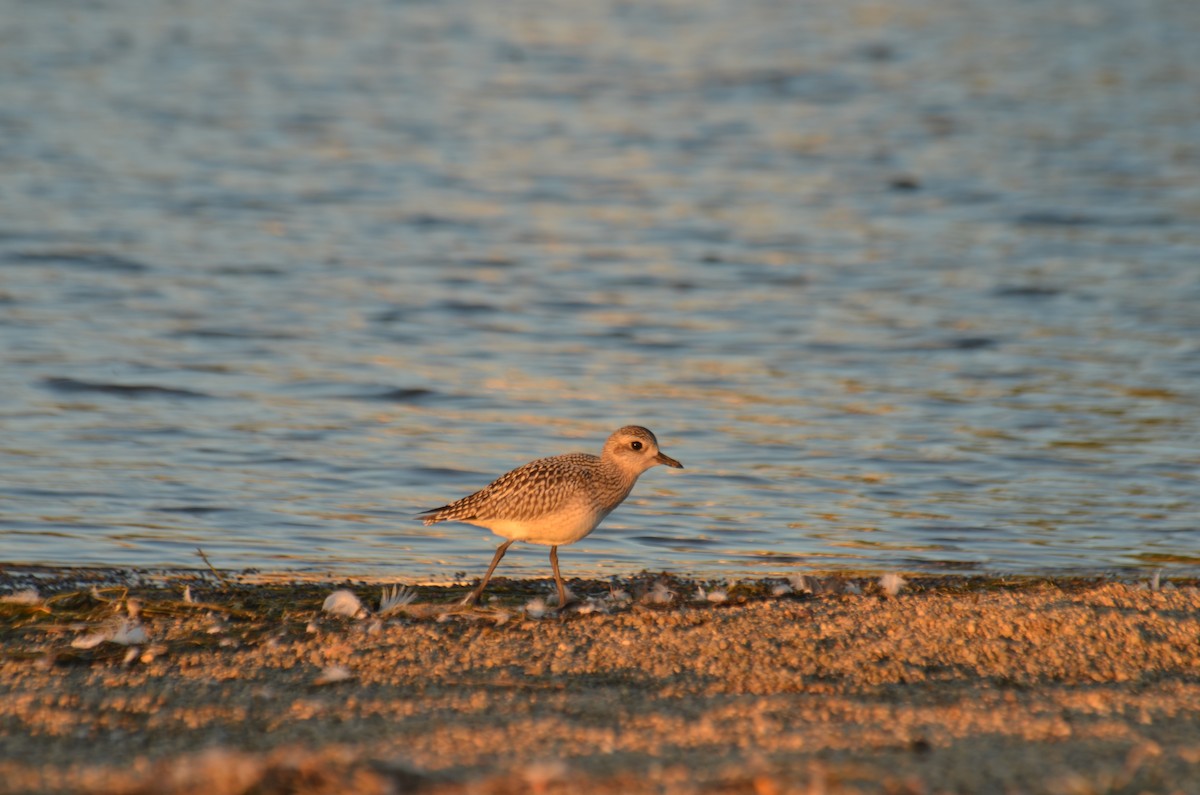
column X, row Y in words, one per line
column 636, row 445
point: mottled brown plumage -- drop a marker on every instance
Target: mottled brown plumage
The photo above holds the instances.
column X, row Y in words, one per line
column 557, row 500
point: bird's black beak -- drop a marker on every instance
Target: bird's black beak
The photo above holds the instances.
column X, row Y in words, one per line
column 663, row 458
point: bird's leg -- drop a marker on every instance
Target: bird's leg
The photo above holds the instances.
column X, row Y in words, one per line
column 562, row 591
column 478, row 592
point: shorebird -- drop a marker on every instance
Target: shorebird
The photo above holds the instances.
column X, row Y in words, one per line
column 557, row 500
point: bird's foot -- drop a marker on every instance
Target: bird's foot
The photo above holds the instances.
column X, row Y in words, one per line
column 566, row 599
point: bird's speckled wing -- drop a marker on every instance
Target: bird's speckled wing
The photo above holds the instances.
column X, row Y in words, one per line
column 536, row 489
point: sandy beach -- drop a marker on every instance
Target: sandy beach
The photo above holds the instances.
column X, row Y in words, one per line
column 114, row 682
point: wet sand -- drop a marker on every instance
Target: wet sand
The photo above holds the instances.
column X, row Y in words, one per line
column 951, row 685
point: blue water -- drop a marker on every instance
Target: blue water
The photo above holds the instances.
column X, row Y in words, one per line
column 910, row 286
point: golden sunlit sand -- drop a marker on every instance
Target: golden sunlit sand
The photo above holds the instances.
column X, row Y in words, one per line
column 129, row 683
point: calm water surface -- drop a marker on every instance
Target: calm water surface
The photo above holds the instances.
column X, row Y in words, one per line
column 912, row 285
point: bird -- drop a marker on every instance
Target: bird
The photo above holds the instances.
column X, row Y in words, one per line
column 557, row 500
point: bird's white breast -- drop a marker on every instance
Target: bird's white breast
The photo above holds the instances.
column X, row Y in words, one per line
column 564, row 526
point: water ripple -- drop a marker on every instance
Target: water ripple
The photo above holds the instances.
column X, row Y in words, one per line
column 899, row 292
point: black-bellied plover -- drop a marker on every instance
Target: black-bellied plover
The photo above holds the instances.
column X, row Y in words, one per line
column 556, row 500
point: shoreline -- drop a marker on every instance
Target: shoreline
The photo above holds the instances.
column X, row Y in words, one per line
column 1054, row 685
column 61, row 575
